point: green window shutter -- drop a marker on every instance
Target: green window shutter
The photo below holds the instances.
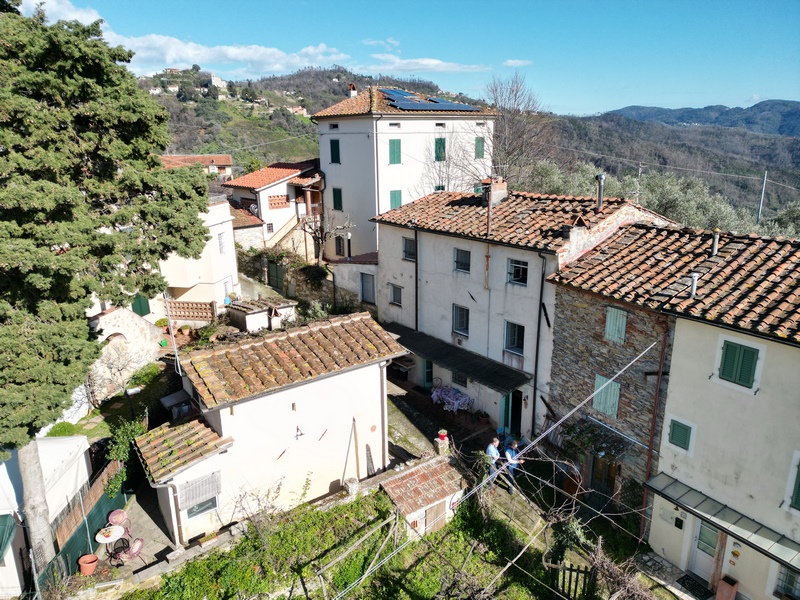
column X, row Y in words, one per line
column 479, row 147
column 679, row 434
column 616, row 323
column 440, row 150
column 738, row 364
column 394, row 152
column 748, row 357
column 140, row 305
column 438, row 188
column 607, row 400
column 730, row 356
column 337, row 199
column 335, row 154
column 796, row 495
column 395, row 198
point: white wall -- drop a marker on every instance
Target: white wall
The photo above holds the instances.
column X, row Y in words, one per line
column 268, row 455
column 366, row 178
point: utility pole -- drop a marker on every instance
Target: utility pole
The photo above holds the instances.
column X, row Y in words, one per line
column 761, row 203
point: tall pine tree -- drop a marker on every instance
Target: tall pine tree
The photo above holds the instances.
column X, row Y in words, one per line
column 85, row 209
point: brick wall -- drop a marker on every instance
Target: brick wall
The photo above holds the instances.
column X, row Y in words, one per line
column 580, row 351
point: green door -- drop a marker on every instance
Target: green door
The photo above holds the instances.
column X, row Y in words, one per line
column 427, row 374
column 275, row 275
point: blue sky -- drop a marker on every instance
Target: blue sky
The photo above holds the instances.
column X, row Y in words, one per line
column 581, row 57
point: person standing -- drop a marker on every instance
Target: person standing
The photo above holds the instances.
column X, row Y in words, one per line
column 494, row 454
column 513, row 462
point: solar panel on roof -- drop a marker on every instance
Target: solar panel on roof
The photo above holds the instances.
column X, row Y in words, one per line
column 410, row 101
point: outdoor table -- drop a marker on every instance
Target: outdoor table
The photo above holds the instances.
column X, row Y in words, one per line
column 109, row 535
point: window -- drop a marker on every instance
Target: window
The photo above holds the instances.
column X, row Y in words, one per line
column 201, row 508
column 517, row 271
column 221, row 242
column 738, row 364
column 480, row 124
column 795, row 503
column 788, row 582
column 337, row 198
column 460, row 319
column 395, row 294
column 680, row 434
column 339, row 245
column 409, row 249
column 270, row 228
column 478, row 189
column 607, row 399
column 395, row 198
column 616, row 322
column 458, row 379
column 394, row 152
column 226, row 287
column 515, row 337
column 335, row 154
column 438, row 188
column 462, row 260
column 333, row 126
column 368, row 288
column 140, row 305
column 440, row 125
column 479, row 147
column 439, row 150
column 395, row 125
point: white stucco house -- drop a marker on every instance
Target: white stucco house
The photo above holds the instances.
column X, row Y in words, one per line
column 461, row 279
column 726, row 497
column 384, row 147
column 279, row 420
column 278, row 198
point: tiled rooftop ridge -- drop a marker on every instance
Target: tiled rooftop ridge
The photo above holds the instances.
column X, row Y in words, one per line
column 751, row 284
column 268, row 175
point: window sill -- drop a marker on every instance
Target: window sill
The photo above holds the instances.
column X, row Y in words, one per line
column 463, row 334
column 518, row 283
column 409, row 259
column 514, row 351
column 395, row 304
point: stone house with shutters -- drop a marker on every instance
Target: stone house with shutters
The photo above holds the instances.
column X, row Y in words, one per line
column 281, row 419
column 725, row 489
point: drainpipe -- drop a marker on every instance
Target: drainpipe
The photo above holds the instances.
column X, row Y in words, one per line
column 416, row 281
column 176, row 521
column 384, row 416
column 538, row 341
column 377, row 180
column 654, row 419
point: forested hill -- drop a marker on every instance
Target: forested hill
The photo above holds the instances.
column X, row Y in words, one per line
column 776, row 117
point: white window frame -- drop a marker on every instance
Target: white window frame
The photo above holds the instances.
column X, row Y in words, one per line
column 519, row 351
column 222, row 243
column 339, row 241
column 395, row 295
column 371, row 278
column 668, row 418
column 457, row 308
column 742, row 341
column 516, row 262
column 207, row 510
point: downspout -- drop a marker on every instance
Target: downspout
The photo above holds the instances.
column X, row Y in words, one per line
column 176, row 521
column 384, row 416
column 653, row 421
column 416, row 281
column 538, row 341
column 377, row 179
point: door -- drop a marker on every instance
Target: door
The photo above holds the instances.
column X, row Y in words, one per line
column 512, row 413
column 703, row 550
column 604, row 474
column 368, row 288
column 275, row 275
column 427, row 374
column 434, row 517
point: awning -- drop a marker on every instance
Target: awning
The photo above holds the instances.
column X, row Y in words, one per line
column 485, row 371
column 763, row 539
column 8, row 528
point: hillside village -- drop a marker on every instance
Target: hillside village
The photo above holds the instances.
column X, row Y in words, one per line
column 651, row 367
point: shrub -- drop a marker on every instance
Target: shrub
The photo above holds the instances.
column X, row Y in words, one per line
column 314, row 274
column 162, row 322
column 145, row 375
column 62, row 429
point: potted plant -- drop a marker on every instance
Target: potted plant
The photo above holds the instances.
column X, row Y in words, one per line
column 163, row 322
column 185, row 329
column 87, row 564
column 443, row 434
column 483, row 417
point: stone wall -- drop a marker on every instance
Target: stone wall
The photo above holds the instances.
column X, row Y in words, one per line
column 580, row 352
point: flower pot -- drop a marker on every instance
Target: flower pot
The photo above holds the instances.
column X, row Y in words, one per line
column 483, row 420
column 87, row 564
column 443, row 436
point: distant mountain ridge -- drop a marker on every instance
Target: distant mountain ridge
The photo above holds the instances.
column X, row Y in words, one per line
column 774, row 117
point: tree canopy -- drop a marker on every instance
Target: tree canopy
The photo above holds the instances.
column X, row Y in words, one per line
column 86, row 210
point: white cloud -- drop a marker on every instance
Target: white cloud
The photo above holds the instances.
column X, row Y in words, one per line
column 61, row 10
column 754, row 99
column 388, row 43
column 390, row 63
column 517, row 63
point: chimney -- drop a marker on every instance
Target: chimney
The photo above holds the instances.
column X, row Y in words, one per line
column 715, row 243
column 565, row 229
column 600, row 179
column 352, row 89
column 695, row 277
column 495, row 190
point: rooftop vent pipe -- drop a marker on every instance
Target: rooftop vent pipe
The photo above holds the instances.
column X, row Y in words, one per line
column 695, row 277
column 600, row 179
column 715, row 243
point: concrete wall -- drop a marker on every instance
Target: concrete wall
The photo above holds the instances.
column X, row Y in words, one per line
column 298, row 437
column 581, row 351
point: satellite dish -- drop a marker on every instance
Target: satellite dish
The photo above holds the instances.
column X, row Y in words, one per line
column 253, row 208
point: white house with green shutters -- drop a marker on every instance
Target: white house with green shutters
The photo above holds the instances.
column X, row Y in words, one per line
column 383, row 148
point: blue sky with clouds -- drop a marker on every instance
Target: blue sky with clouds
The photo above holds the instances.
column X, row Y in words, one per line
column 580, row 56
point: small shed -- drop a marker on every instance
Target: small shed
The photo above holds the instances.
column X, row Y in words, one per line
column 425, row 494
column 253, row 315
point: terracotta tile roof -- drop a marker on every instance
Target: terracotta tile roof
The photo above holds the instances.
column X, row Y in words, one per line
column 368, row 258
column 523, row 219
column 304, row 181
column 174, row 447
column 424, row 485
column 244, row 218
column 257, row 306
column 268, row 175
column 172, row 161
column 257, row 367
column 373, row 101
column 752, row 284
